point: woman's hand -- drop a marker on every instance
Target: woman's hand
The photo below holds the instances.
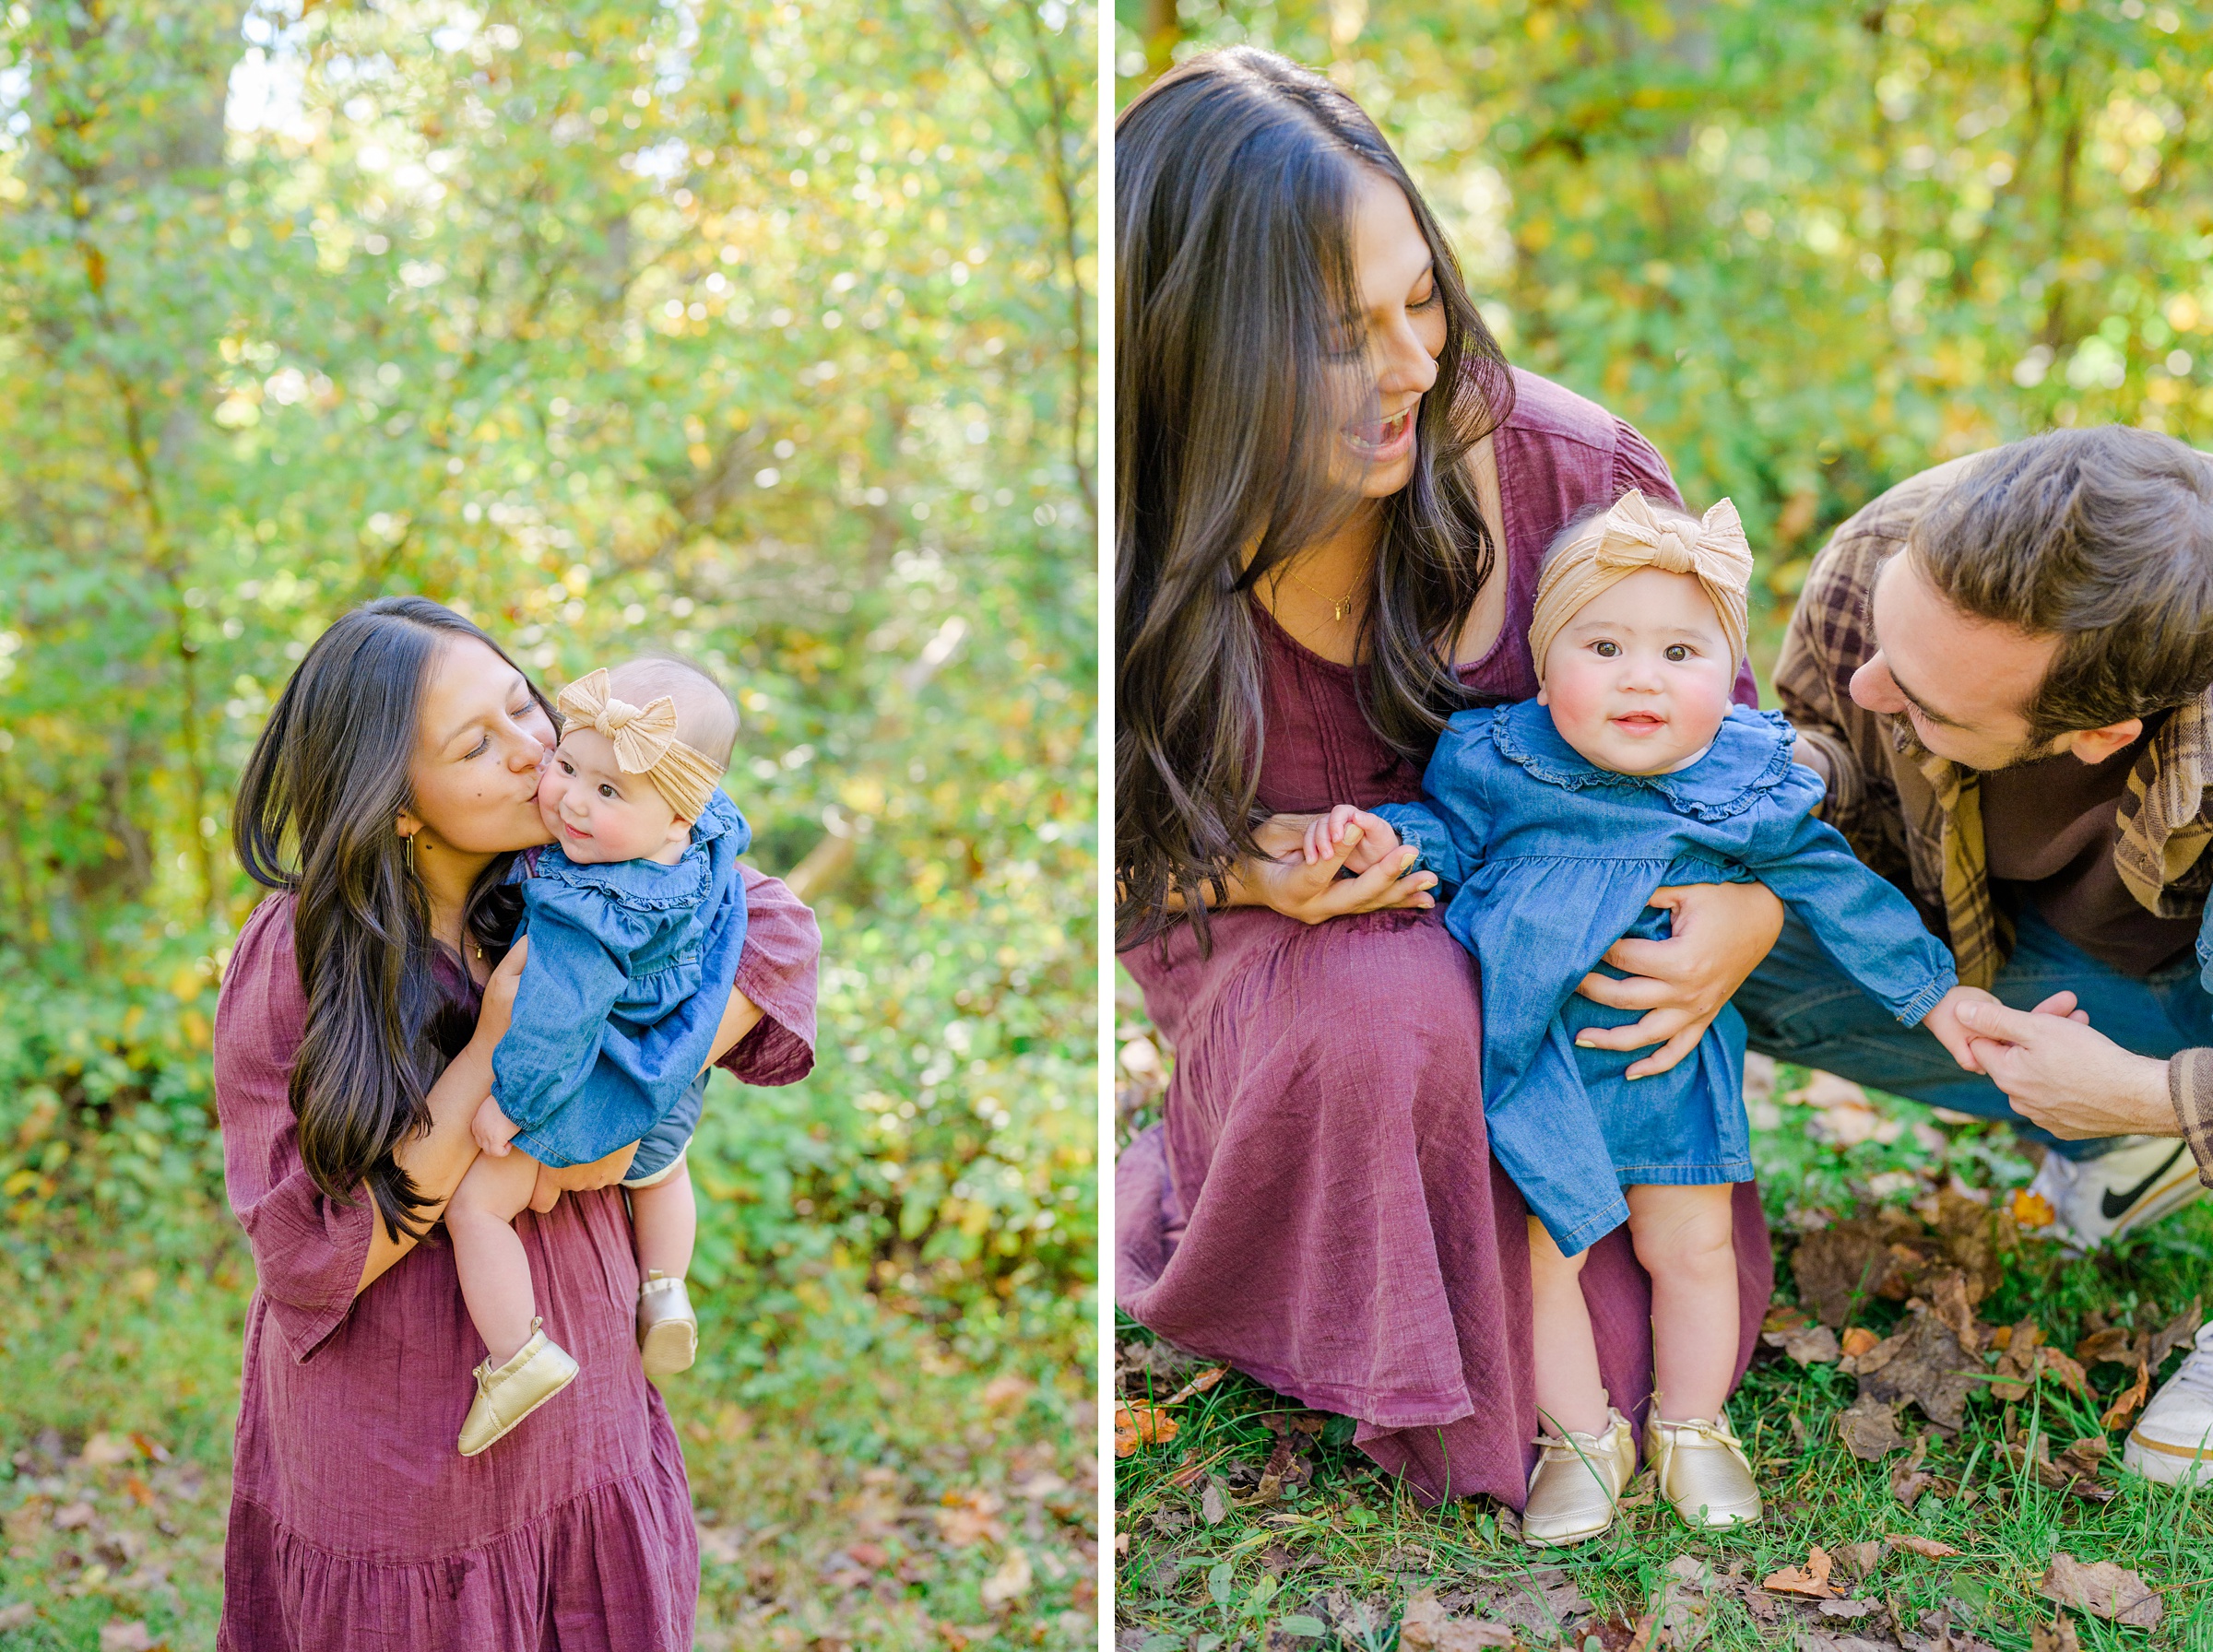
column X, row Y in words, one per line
column 1718, row 934
column 498, row 1008
column 2060, row 1073
column 1284, row 880
column 581, row 1178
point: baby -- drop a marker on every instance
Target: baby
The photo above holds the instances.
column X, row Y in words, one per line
column 636, row 917
column 1549, row 825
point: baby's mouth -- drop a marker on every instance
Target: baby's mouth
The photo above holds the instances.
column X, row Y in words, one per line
column 1377, row 438
column 1641, row 722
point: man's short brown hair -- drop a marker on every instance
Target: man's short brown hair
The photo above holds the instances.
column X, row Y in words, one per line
column 2101, row 538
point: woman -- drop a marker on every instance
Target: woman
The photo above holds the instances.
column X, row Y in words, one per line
column 1333, row 495
column 386, row 801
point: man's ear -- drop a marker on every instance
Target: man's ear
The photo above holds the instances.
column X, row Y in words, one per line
column 2095, row 745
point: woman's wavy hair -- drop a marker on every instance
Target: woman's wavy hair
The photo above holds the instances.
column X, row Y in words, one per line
column 1235, row 175
column 316, row 808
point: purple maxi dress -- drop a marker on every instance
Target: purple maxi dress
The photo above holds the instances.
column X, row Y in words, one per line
column 1319, row 1206
column 354, row 1521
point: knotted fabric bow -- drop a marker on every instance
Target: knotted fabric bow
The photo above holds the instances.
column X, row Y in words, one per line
column 1633, row 535
column 645, row 741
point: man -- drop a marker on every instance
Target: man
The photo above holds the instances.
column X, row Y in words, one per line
column 2004, row 670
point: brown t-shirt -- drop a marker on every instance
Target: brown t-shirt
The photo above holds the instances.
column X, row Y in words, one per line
column 2048, row 829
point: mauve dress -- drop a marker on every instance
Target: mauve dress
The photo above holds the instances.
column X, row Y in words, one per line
column 1319, row 1206
column 354, row 1521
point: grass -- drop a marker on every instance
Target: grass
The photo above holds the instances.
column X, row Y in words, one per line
column 897, row 1504
column 1330, row 1555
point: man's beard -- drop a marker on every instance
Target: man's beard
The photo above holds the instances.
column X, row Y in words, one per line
column 1908, row 745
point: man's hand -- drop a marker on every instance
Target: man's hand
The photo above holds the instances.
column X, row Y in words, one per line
column 1365, row 838
column 493, row 1130
column 1718, row 934
column 2061, row 1073
column 1944, row 1022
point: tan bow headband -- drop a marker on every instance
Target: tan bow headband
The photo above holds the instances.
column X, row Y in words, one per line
column 645, row 741
column 1633, row 535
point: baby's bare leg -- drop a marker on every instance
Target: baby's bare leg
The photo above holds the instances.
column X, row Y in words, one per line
column 665, row 1220
column 1571, row 1396
column 495, row 1270
column 1686, row 1238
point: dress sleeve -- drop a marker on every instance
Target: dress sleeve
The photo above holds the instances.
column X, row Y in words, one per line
column 1638, row 464
column 777, row 971
column 308, row 1248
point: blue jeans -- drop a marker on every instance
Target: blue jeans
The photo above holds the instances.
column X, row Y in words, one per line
column 1799, row 1006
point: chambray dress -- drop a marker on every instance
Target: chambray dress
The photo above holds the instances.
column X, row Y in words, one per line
column 609, row 1030
column 1545, row 860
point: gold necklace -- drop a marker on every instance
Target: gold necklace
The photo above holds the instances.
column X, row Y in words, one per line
column 1340, row 607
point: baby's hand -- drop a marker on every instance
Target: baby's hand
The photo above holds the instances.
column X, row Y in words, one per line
column 493, row 1129
column 1366, row 838
column 1944, row 1021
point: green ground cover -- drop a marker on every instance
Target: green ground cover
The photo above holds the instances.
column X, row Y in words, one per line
column 1260, row 1525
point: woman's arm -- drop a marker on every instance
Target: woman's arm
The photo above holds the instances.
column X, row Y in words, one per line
column 1280, row 878
column 437, row 1160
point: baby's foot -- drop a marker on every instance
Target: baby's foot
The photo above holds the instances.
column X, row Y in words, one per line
column 667, row 1328
column 1702, row 1470
column 539, row 1370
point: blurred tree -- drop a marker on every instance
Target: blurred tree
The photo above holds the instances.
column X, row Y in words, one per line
column 1809, row 248
column 752, row 330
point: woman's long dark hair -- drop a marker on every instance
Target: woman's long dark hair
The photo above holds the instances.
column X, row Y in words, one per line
column 316, row 811
column 1234, row 180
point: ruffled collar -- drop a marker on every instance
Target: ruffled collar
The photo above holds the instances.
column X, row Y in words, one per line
column 1749, row 757
column 647, row 884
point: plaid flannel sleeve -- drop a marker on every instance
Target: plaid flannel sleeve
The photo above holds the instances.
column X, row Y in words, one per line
column 1826, row 641
column 2189, row 1088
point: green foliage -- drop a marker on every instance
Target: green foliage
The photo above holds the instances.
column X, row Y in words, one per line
column 1808, row 249
column 613, row 325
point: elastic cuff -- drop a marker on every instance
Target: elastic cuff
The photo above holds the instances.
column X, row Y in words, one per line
column 2189, row 1088
column 1917, row 1007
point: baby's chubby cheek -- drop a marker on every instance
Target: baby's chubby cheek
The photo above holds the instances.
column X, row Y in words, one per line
column 1577, row 698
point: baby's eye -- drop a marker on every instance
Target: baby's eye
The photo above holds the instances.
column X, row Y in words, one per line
column 1605, row 650
column 567, row 767
column 1678, row 652
column 608, row 791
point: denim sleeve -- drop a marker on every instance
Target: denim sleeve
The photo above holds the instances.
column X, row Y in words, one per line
column 570, row 983
column 1448, row 826
column 1865, row 925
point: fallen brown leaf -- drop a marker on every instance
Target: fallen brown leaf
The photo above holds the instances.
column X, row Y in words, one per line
column 2102, row 1589
column 1857, row 1341
column 1856, row 1560
column 2056, row 1636
column 1809, row 1580
column 1213, row 1507
column 1188, row 1476
column 2031, row 1209
column 1198, row 1385
column 2175, row 1333
column 1928, row 1548
column 1009, row 1582
column 1141, row 1422
column 2124, row 1405
column 1931, row 1370
column 1424, row 1626
column 2019, row 1363
column 2071, row 1374
column 1908, row 1479
column 1869, row 1429
column 119, row 1635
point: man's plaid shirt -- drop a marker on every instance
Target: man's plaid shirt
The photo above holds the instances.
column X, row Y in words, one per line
column 1917, row 818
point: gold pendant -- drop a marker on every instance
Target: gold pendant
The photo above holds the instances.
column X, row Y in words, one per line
column 1341, row 609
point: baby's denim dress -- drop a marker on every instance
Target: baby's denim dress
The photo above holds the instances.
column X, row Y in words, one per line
column 1545, row 860
column 611, row 1025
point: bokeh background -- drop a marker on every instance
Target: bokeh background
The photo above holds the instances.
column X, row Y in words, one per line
column 1809, row 250
column 761, row 331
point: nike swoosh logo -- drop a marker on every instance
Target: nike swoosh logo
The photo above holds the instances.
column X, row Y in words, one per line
column 2113, row 1205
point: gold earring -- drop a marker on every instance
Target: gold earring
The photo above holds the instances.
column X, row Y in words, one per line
column 409, row 839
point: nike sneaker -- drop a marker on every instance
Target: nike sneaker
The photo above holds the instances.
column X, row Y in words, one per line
column 2099, row 1199
column 2173, row 1440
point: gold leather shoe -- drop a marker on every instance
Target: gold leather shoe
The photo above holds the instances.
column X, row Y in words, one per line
column 1578, row 1482
column 1702, row 1470
column 667, row 1328
column 538, row 1371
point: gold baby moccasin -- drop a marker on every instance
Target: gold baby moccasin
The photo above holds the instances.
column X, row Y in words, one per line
column 667, row 1328
column 1702, row 1471
column 1578, row 1482
column 538, row 1371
